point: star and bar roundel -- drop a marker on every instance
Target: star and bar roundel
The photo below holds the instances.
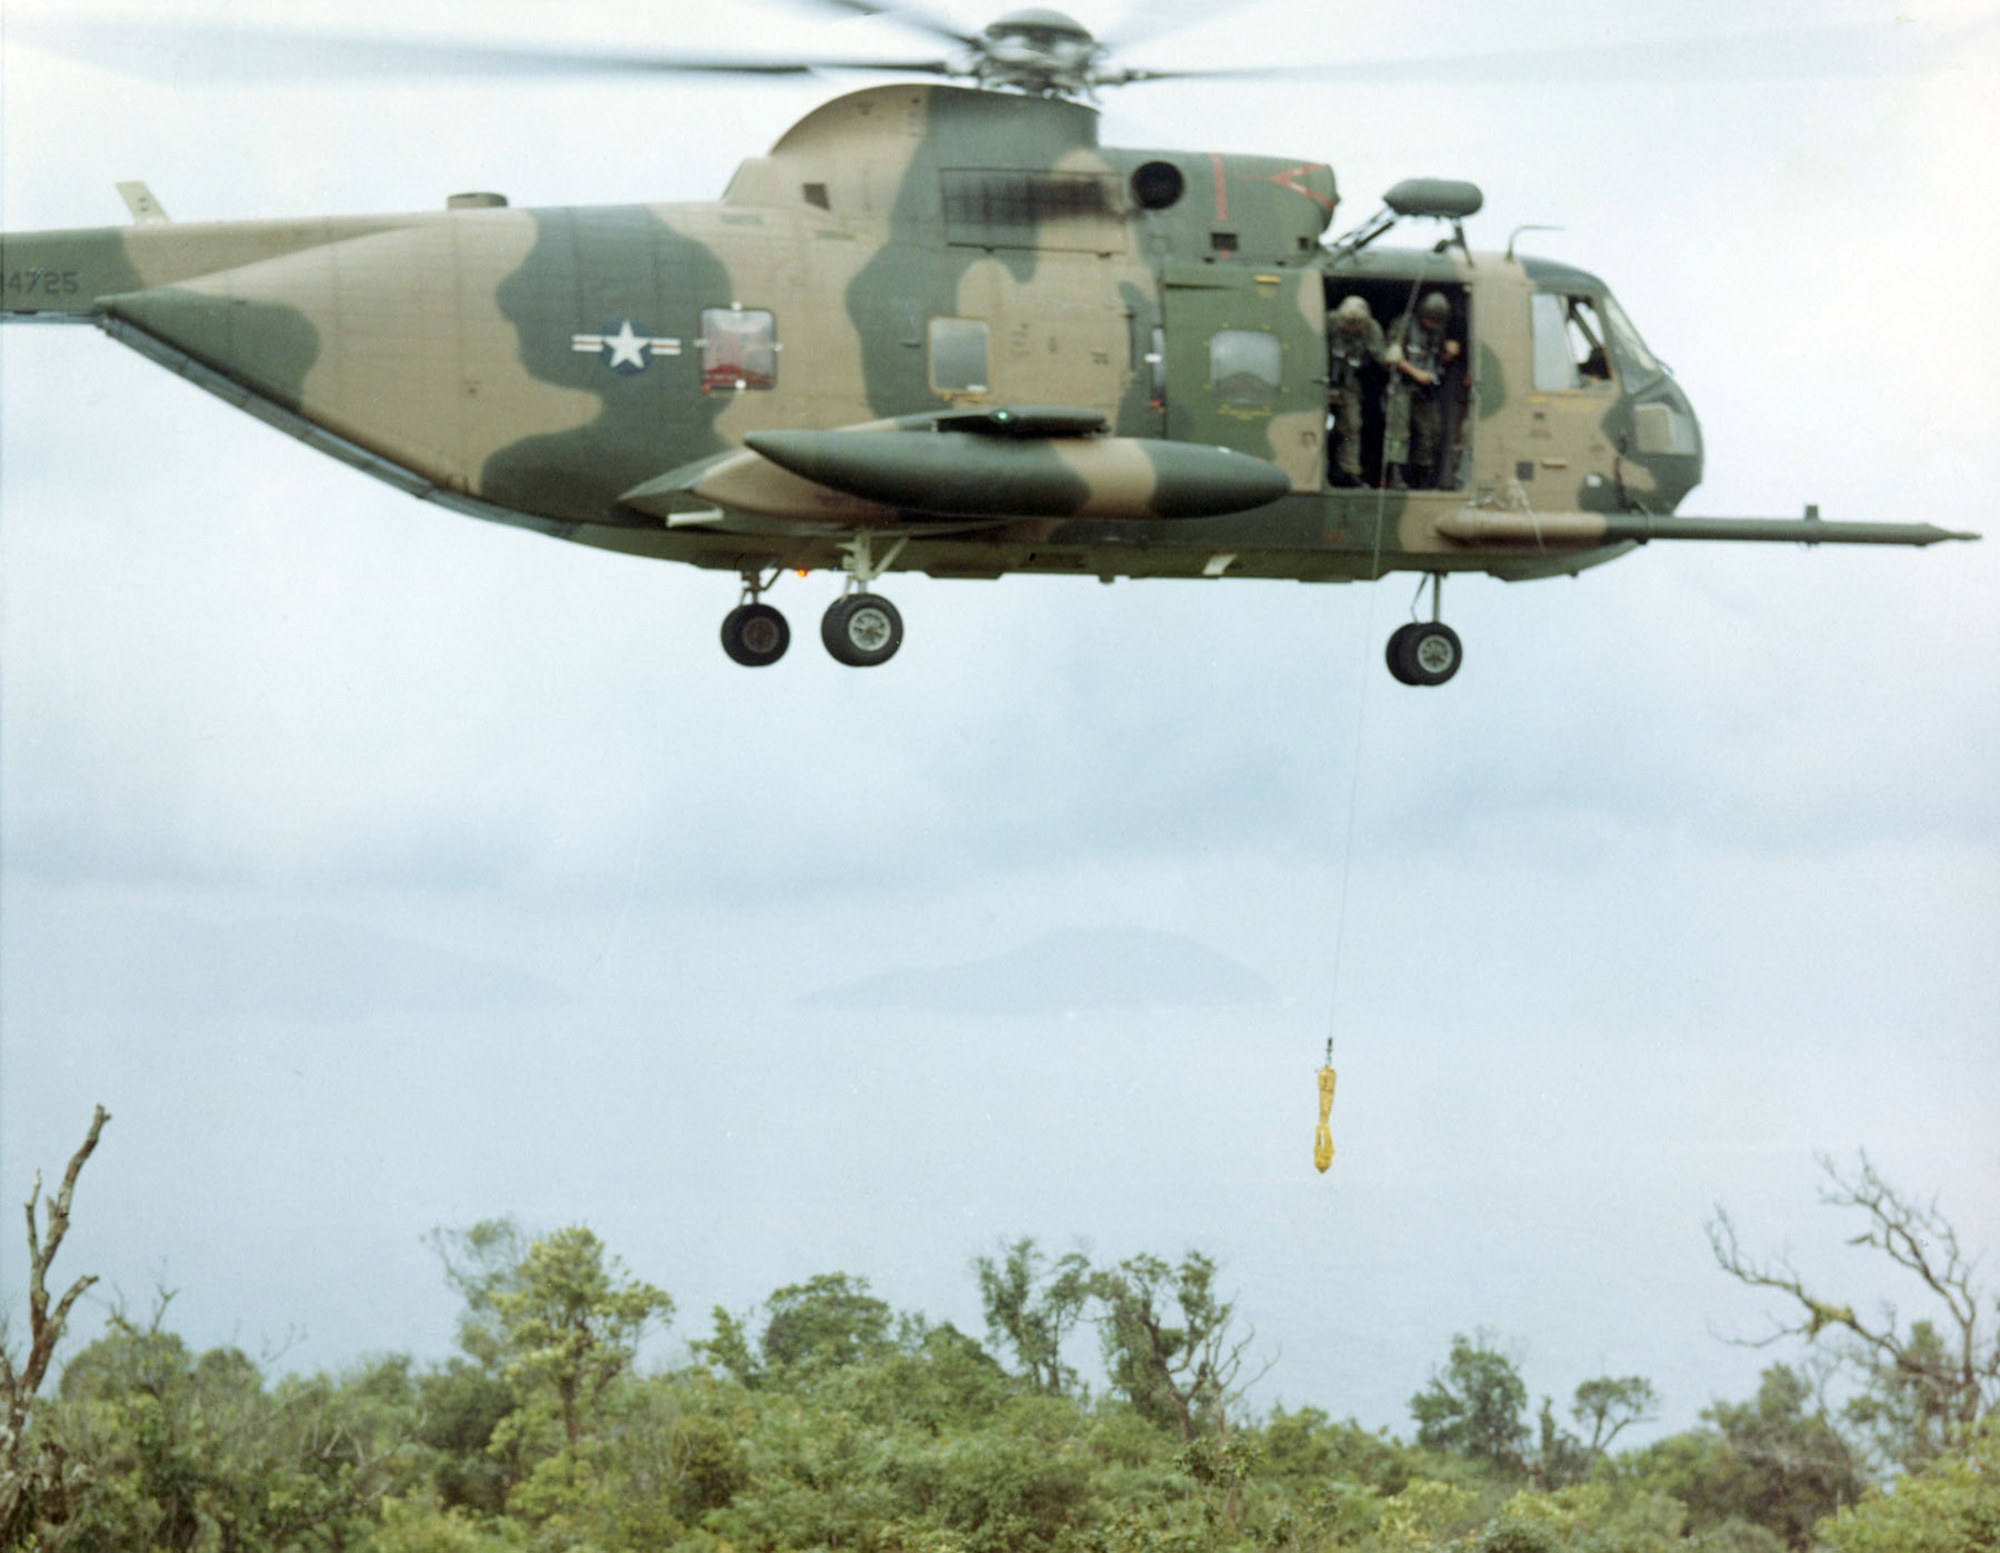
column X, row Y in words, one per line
column 624, row 347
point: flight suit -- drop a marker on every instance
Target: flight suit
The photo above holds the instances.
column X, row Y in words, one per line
column 1416, row 412
column 1348, row 351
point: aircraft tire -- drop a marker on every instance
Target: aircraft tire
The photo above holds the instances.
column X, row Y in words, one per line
column 862, row 630
column 755, row 635
column 1432, row 653
column 1399, row 640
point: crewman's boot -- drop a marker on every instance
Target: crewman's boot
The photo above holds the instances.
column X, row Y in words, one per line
column 1395, row 482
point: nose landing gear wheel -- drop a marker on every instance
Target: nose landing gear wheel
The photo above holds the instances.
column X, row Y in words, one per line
column 755, row 635
column 1425, row 652
column 862, row 630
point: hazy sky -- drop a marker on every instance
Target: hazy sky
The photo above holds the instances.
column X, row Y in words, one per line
column 379, row 869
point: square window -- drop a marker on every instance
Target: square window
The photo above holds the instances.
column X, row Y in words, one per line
column 739, row 349
column 1246, row 367
column 958, row 356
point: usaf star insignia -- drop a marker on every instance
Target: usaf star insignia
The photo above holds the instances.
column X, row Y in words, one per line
column 624, row 349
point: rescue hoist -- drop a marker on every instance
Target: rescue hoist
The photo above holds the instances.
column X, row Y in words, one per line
column 1322, row 1134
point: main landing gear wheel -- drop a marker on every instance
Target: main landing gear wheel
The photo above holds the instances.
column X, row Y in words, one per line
column 862, row 630
column 1425, row 652
column 755, row 635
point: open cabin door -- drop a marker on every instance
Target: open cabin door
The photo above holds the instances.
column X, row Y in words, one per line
column 1246, row 363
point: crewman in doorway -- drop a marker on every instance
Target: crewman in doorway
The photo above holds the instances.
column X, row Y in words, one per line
column 1353, row 339
column 1420, row 351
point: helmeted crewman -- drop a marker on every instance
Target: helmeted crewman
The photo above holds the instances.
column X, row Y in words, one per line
column 1353, row 340
column 1420, row 350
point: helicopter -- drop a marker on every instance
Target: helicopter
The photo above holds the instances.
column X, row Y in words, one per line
column 940, row 328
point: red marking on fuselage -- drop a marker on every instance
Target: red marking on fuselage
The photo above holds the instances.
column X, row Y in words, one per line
column 1285, row 180
column 1221, row 193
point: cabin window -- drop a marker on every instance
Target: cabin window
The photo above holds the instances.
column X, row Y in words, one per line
column 739, row 350
column 958, row 356
column 1569, row 342
column 1246, row 367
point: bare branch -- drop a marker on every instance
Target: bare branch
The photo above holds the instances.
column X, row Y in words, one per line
column 19, row 1385
column 1948, row 1371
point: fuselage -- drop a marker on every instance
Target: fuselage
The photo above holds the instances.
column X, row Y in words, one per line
column 903, row 250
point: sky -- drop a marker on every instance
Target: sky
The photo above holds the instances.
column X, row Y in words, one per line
column 382, row 870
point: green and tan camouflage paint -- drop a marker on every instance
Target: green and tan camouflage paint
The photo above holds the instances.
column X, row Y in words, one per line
column 452, row 352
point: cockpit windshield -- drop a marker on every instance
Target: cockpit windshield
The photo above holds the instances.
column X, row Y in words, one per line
column 1637, row 361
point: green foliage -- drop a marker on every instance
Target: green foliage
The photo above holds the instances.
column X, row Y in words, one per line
column 1906, row 1418
column 1428, row 1514
column 729, row 1351
column 1031, row 1306
column 1585, row 1518
column 1473, row 1408
column 482, row 1263
column 408, row 1526
column 841, row 1423
column 823, row 1324
column 1951, row 1505
column 185, row 1451
column 1609, row 1405
column 459, row 1407
column 569, row 1322
column 1776, row 1462
column 1168, row 1345
column 1305, row 1448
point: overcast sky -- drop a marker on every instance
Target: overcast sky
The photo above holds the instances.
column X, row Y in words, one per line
column 379, row 869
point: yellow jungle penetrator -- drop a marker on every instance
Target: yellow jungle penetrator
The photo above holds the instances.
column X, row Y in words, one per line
column 1322, row 1135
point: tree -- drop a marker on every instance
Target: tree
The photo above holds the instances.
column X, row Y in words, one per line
column 730, row 1350
column 482, row 1263
column 1607, row 1407
column 22, row 1481
column 1474, row 1407
column 569, row 1321
column 1032, row 1306
column 824, row 1324
column 1168, row 1341
column 1925, row 1385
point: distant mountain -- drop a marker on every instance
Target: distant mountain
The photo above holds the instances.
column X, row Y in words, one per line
column 1081, row 970
column 305, row 968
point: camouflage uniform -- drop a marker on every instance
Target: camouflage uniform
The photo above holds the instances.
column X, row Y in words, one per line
column 1416, row 411
column 1353, row 339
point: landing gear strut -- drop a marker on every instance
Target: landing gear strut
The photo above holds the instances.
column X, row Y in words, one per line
column 755, row 634
column 862, row 629
column 1426, row 652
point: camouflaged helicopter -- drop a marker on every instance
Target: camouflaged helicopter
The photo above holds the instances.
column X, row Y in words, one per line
column 938, row 328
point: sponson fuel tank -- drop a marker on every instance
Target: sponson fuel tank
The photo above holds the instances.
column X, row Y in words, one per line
column 1047, row 464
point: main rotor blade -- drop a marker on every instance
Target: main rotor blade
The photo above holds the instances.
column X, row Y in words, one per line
column 1804, row 54
column 1162, row 19
column 173, row 52
column 910, row 16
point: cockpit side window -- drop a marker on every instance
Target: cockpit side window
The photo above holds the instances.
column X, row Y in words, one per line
column 1634, row 359
column 1569, row 342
